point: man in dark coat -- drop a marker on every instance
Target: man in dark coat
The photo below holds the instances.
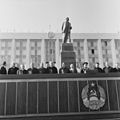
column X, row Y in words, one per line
column 53, row 68
column 22, row 70
column 85, row 68
column 107, row 68
column 116, row 68
column 3, row 69
column 13, row 69
column 63, row 69
column 72, row 69
column 33, row 69
column 97, row 68
column 42, row 70
column 48, row 69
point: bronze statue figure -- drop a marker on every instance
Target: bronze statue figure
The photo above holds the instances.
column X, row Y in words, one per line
column 66, row 30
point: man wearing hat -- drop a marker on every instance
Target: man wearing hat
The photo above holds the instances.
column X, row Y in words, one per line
column 66, row 30
column 85, row 68
column 3, row 69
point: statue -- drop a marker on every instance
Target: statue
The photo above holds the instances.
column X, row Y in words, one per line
column 66, row 30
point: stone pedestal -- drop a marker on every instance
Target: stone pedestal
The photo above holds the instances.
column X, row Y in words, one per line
column 68, row 55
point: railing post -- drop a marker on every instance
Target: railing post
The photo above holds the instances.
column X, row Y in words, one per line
column 16, row 100
column 78, row 95
column 117, row 95
column 5, row 98
column 48, row 95
column 108, row 96
column 58, row 96
column 27, row 97
column 37, row 97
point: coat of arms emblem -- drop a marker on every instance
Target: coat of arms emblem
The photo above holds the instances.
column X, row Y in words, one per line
column 93, row 96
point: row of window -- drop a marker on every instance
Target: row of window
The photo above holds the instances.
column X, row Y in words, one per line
column 50, row 49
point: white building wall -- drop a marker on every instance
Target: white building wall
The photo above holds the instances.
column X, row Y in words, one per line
column 57, row 38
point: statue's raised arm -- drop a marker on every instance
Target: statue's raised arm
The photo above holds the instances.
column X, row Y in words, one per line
column 66, row 30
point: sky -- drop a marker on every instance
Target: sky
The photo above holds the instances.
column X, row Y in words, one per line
column 86, row 16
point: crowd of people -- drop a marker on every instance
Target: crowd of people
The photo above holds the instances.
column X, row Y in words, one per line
column 50, row 68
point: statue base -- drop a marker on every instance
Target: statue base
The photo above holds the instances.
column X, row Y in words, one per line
column 68, row 55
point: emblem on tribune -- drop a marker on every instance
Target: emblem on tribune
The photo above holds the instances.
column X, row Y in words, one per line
column 93, row 96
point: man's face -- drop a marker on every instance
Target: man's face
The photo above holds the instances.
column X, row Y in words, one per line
column 116, row 65
column 63, row 65
column 106, row 64
column 85, row 66
column 96, row 65
column 71, row 66
column 33, row 65
column 51, row 64
column 21, row 67
column 13, row 64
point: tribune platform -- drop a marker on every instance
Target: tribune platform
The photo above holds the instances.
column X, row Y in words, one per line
column 57, row 97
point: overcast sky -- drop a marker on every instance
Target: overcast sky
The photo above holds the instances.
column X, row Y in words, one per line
column 86, row 16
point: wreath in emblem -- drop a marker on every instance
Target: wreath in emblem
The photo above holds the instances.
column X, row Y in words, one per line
column 93, row 96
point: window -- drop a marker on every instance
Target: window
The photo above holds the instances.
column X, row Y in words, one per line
column 106, row 52
column 53, row 51
column 17, row 56
column 9, row 48
column 24, row 48
column 32, row 48
column 24, row 56
column 35, row 44
column 81, row 47
column 92, row 51
column 50, row 51
column 105, row 43
column 17, row 48
column 2, row 48
column 92, row 44
column 79, row 52
column 107, row 59
column 39, row 48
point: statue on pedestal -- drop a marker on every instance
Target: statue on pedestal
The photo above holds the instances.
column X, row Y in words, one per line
column 66, row 30
column 68, row 55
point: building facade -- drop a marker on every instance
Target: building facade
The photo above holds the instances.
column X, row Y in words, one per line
column 27, row 48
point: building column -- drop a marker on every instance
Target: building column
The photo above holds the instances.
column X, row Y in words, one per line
column 28, row 54
column 100, row 57
column 57, row 53
column 13, row 51
column 43, row 53
column 86, row 51
column 114, row 60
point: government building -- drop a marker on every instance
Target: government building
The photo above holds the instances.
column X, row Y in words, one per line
column 27, row 48
column 69, row 96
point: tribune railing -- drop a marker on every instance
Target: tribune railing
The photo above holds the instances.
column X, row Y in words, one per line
column 57, row 95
